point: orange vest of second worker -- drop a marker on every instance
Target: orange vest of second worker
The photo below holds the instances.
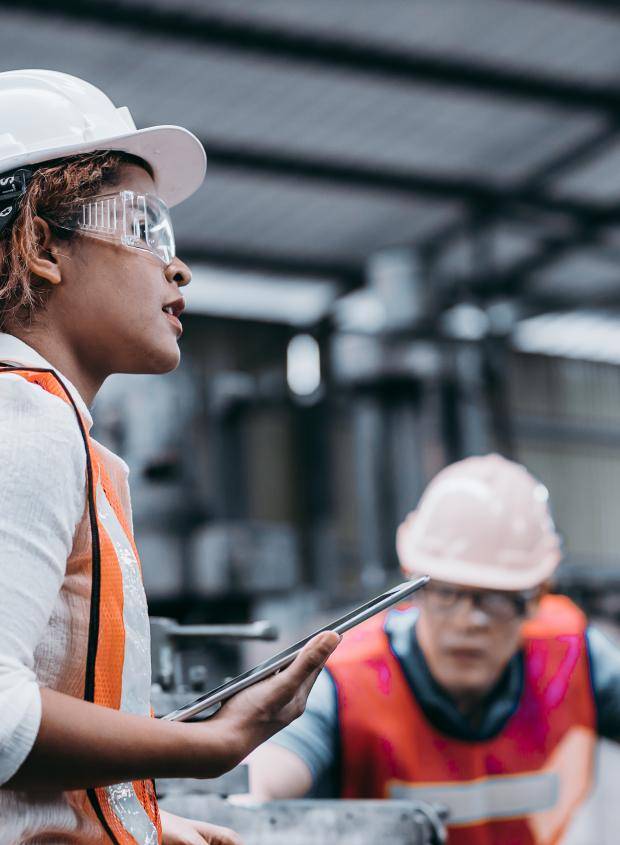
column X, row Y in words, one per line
column 519, row 787
column 127, row 814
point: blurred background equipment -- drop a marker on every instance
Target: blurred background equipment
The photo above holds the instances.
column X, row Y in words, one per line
column 405, row 252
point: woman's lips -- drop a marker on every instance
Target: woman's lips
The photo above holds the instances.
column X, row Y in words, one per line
column 175, row 322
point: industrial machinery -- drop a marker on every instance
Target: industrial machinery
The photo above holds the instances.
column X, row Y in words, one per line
column 307, row 822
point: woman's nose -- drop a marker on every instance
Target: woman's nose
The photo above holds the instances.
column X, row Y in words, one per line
column 177, row 271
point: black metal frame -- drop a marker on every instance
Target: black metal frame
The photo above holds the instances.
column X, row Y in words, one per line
column 334, row 52
column 482, row 199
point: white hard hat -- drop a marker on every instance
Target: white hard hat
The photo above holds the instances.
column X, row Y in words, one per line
column 47, row 115
column 482, row 522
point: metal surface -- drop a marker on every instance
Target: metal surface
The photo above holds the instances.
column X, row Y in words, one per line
column 168, row 671
column 261, row 630
column 332, row 822
column 235, row 782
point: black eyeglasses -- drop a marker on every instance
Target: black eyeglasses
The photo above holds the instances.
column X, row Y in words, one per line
column 497, row 605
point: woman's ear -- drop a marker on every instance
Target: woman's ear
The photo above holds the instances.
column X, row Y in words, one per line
column 44, row 264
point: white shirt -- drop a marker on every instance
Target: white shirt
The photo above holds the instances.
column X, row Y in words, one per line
column 44, row 606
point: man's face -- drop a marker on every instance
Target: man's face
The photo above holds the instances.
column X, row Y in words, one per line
column 468, row 636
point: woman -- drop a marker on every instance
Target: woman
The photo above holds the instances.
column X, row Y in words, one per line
column 90, row 285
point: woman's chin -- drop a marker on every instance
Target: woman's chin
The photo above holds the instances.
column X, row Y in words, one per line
column 163, row 359
column 167, row 364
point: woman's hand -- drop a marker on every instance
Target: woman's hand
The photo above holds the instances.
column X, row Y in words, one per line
column 87, row 745
column 254, row 715
column 179, row 831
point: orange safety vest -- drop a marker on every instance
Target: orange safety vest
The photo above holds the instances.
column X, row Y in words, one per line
column 518, row 787
column 128, row 813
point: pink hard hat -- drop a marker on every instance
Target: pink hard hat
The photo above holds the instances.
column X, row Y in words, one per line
column 482, row 522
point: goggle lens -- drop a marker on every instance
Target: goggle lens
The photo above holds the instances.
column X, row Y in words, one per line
column 139, row 221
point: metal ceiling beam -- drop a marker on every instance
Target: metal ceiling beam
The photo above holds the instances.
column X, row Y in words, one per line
column 578, row 154
column 512, row 281
column 598, row 142
column 609, row 8
column 348, row 275
column 401, row 182
column 556, row 302
column 334, row 53
column 584, row 218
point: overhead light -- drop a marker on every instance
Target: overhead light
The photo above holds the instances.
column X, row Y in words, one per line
column 465, row 322
column 294, row 301
column 583, row 335
column 303, row 365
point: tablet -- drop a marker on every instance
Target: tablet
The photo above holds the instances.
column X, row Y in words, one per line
column 280, row 661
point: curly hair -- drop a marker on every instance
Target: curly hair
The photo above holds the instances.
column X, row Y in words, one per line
column 51, row 194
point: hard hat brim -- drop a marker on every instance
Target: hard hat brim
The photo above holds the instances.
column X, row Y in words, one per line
column 176, row 156
column 468, row 574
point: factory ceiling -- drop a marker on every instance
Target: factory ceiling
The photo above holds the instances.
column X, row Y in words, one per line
column 483, row 133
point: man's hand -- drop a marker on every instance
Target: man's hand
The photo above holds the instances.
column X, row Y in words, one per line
column 179, row 831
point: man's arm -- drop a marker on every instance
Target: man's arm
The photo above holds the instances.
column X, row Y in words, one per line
column 277, row 773
column 303, row 755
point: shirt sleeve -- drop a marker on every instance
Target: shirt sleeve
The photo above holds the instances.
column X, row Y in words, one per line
column 605, row 672
column 314, row 737
column 42, row 499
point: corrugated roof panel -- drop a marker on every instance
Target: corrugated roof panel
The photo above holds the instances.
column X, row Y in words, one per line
column 283, row 216
column 597, row 179
column 577, row 273
column 224, row 94
column 529, row 35
column 506, row 245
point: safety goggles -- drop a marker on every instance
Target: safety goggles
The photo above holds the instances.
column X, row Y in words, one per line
column 138, row 221
column 497, row 605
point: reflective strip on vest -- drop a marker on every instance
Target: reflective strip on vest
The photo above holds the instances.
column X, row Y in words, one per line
column 122, row 798
column 136, row 683
column 503, row 797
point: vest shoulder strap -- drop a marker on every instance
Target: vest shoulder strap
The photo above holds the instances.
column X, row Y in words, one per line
column 556, row 616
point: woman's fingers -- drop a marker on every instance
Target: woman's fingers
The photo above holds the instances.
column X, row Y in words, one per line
column 312, row 657
column 213, row 834
column 265, row 708
column 180, row 831
column 299, row 677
